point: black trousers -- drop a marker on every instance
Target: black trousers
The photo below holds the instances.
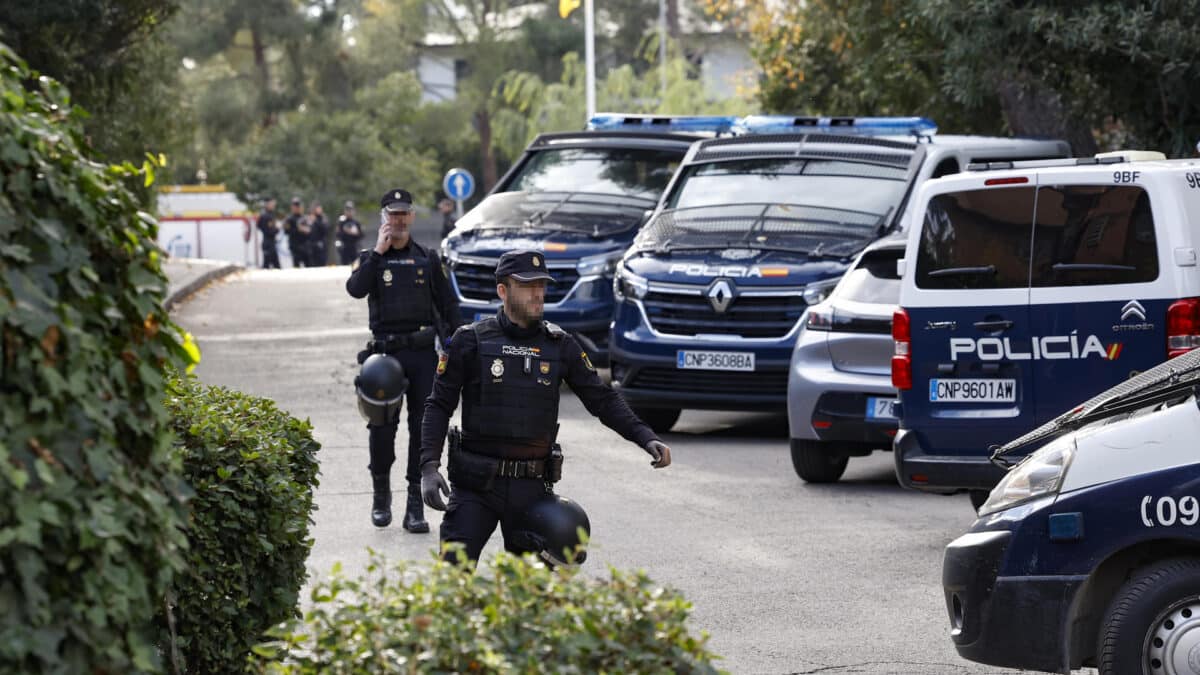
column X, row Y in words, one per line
column 348, row 251
column 471, row 516
column 270, row 258
column 419, row 366
column 316, row 254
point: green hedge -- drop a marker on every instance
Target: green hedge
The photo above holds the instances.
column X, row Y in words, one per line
column 253, row 468
column 90, row 512
column 514, row 616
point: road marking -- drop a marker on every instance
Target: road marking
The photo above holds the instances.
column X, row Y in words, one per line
column 286, row 335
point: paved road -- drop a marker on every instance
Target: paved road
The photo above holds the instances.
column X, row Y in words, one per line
column 786, row 577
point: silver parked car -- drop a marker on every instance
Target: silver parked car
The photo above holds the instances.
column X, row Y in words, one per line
column 840, row 398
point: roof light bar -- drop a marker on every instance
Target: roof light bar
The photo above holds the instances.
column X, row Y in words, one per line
column 862, row 126
column 711, row 124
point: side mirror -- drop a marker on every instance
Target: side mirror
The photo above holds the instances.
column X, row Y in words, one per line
column 901, row 267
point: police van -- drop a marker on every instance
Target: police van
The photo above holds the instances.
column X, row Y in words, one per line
column 754, row 229
column 579, row 197
column 1087, row 553
column 1029, row 287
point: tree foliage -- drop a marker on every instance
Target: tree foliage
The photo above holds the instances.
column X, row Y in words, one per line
column 90, row 509
column 1113, row 72
column 113, row 58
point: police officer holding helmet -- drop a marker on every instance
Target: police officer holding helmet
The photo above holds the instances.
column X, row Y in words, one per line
column 410, row 301
column 507, row 369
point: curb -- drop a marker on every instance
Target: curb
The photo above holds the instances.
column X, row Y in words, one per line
column 174, row 298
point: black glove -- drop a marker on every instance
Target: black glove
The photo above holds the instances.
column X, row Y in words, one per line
column 660, row 452
column 432, row 484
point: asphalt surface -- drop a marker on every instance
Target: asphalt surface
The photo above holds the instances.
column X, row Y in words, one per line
column 786, row 577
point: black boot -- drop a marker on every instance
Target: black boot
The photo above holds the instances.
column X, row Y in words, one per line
column 381, row 505
column 414, row 512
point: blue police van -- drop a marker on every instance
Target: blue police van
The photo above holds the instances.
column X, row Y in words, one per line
column 1029, row 287
column 754, row 229
column 1087, row 552
column 580, row 197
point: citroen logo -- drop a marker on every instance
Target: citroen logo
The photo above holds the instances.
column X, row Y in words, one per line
column 720, row 294
column 1134, row 309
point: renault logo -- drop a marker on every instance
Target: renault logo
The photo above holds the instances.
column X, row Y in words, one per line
column 720, row 294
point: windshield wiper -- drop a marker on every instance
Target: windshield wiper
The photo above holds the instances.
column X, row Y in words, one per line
column 964, row 271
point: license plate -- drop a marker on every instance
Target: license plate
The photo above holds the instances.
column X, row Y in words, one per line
column 882, row 408
column 972, row 391
column 714, row 360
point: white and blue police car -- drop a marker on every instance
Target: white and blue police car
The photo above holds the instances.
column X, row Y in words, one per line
column 1087, row 552
column 1028, row 287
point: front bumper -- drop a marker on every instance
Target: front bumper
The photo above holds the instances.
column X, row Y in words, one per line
column 918, row 470
column 1011, row 622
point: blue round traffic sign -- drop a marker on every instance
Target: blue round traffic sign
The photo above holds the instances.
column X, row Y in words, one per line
column 458, row 184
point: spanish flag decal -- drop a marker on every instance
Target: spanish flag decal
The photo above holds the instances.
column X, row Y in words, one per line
column 774, row 271
column 1114, row 350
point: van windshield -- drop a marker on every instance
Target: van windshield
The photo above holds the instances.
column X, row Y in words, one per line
column 612, row 171
column 591, row 213
column 829, row 183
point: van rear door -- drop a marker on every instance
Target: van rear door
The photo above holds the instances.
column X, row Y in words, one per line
column 969, row 320
column 1096, row 310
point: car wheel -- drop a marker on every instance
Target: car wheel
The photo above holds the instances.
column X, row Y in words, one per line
column 1153, row 622
column 817, row 462
column 978, row 497
column 659, row 419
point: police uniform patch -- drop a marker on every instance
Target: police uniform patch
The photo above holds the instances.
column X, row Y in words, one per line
column 387, row 276
column 441, row 367
column 586, row 361
column 497, row 368
column 544, row 368
column 542, row 380
column 536, row 261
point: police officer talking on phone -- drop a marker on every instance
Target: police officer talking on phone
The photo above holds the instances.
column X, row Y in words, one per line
column 507, row 369
column 410, row 301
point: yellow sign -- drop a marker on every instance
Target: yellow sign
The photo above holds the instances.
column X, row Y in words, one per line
column 565, row 7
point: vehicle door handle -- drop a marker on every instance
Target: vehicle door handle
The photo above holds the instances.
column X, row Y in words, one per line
column 994, row 326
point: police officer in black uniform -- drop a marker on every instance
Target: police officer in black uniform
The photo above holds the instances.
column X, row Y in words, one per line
column 268, row 229
column 295, row 226
column 349, row 231
column 508, row 369
column 410, row 300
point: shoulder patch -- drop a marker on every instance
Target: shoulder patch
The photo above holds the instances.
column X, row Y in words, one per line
column 586, row 361
column 441, row 366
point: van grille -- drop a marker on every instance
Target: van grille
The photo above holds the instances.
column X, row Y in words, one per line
column 758, row 383
column 747, row 316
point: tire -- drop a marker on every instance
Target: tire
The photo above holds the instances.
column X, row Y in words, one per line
column 978, row 497
column 817, row 462
column 1160, row 601
column 658, row 419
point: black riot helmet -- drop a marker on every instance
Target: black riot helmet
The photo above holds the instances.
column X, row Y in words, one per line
column 380, row 385
column 550, row 528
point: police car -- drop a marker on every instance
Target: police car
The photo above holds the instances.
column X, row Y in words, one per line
column 580, row 198
column 751, row 231
column 1087, row 553
column 1029, row 287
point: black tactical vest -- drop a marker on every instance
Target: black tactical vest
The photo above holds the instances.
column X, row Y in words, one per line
column 518, row 385
column 402, row 300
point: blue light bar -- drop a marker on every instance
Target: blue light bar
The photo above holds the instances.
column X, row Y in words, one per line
column 862, row 126
column 693, row 124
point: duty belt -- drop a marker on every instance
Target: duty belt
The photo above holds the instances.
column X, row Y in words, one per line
column 521, row 468
column 385, row 343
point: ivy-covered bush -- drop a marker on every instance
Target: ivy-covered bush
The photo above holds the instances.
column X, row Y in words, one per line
column 516, row 616
column 252, row 468
column 89, row 510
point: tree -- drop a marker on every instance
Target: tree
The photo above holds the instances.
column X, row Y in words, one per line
column 112, row 57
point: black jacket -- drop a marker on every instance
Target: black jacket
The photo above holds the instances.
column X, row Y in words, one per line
column 371, row 278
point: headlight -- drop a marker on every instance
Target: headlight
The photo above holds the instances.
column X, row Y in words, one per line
column 599, row 265
column 1037, row 475
column 815, row 293
column 629, row 285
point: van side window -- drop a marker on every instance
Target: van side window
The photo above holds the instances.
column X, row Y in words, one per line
column 1088, row 235
column 874, row 279
column 976, row 239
